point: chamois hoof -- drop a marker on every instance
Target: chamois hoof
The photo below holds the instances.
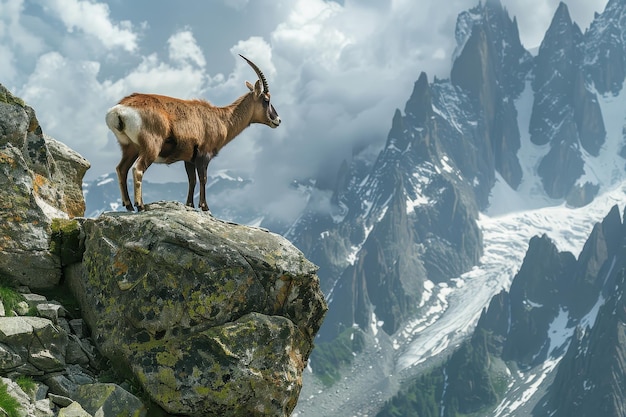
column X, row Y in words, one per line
column 190, row 205
column 204, row 207
column 140, row 207
column 129, row 207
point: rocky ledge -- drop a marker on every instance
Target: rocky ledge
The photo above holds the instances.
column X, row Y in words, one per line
column 211, row 318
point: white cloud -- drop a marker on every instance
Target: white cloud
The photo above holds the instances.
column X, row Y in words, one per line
column 309, row 33
column 92, row 18
column 69, row 102
column 184, row 49
column 257, row 50
column 155, row 76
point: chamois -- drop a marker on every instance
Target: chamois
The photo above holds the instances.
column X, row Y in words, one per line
column 155, row 128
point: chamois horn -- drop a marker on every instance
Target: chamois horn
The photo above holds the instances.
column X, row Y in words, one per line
column 256, row 69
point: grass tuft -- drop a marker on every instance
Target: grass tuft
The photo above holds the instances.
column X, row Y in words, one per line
column 8, row 403
column 10, row 298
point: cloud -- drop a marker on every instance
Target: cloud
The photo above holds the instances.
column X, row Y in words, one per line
column 59, row 80
column 92, row 18
column 337, row 71
column 184, row 49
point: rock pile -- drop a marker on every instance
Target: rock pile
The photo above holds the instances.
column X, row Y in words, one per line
column 56, row 355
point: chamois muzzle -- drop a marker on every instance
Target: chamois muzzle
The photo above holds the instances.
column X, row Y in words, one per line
column 273, row 116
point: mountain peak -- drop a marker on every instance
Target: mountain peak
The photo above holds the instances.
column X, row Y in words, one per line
column 420, row 104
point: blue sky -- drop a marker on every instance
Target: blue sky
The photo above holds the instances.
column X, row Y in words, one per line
column 337, row 70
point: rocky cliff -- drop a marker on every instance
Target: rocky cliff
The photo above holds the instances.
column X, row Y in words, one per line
column 200, row 316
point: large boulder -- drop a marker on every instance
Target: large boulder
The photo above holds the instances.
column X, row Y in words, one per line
column 210, row 317
column 40, row 179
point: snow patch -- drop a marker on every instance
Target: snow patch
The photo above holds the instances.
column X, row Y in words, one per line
column 104, row 181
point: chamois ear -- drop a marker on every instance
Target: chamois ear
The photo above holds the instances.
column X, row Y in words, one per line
column 249, row 86
column 258, row 88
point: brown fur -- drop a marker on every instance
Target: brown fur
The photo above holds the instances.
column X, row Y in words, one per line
column 193, row 131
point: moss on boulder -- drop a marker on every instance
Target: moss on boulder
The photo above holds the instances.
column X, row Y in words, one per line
column 209, row 317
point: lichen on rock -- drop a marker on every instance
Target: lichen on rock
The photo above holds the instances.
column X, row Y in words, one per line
column 40, row 179
column 209, row 317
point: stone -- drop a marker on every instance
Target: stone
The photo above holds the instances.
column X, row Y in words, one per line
column 50, row 311
column 75, row 352
column 73, row 410
column 59, row 384
column 68, row 175
column 78, row 375
column 48, row 347
column 40, row 180
column 175, row 297
column 37, row 341
column 108, row 400
column 43, row 408
column 9, row 360
column 19, row 330
column 34, row 299
column 78, row 327
column 61, row 401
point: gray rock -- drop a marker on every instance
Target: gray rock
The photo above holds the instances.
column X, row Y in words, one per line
column 76, row 353
column 177, row 297
column 40, row 179
column 108, row 400
column 60, row 400
column 59, row 384
column 9, row 360
column 73, row 410
column 70, row 168
column 51, row 311
column 36, row 340
column 34, row 299
column 78, row 327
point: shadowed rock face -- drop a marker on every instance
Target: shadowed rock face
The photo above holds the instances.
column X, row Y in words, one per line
column 209, row 317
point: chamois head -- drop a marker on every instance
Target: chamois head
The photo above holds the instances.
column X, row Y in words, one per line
column 264, row 113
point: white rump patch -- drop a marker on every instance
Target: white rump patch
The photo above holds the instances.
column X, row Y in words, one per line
column 131, row 121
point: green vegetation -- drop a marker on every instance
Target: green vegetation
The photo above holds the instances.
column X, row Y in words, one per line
column 8, row 403
column 328, row 358
column 473, row 384
column 421, row 399
column 65, row 241
column 10, row 297
column 27, row 384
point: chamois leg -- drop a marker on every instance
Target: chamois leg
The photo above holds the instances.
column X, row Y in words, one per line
column 145, row 159
column 191, row 178
column 129, row 155
column 202, row 163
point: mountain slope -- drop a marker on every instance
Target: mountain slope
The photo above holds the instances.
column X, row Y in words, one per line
column 508, row 131
column 520, row 340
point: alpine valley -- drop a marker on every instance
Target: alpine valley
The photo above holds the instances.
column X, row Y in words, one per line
column 475, row 264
